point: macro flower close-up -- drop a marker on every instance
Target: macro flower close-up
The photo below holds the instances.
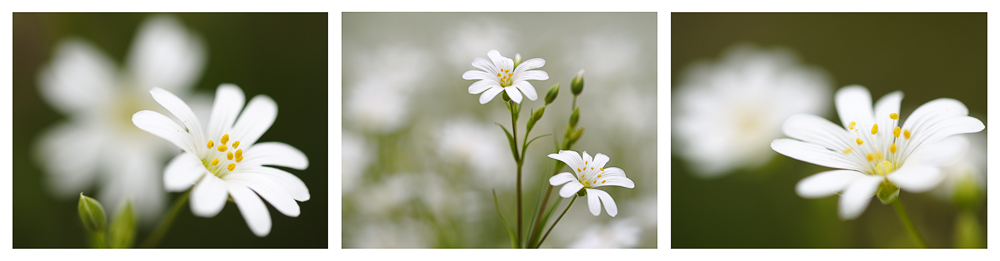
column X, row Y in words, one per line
column 220, row 169
column 502, row 74
column 588, row 176
column 872, row 159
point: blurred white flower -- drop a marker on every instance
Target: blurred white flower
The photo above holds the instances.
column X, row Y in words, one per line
column 407, row 233
column 464, row 142
column 969, row 168
column 98, row 143
column 726, row 113
column 357, row 155
column 375, row 109
column 607, row 56
column 472, row 38
column 869, row 155
column 388, row 77
column 500, row 75
column 590, row 174
column 381, row 198
column 219, row 171
column 619, row 233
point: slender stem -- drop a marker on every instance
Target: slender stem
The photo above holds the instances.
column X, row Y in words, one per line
column 535, row 233
column 556, row 222
column 102, row 242
column 161, row 229
column 905, row 219
column 517, row 158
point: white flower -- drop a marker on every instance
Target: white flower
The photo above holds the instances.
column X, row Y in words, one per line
column 968, row 171
column 461, row 141
column 218, row 169
column 500, row 75
column 727, row 112
column 471, row 37
column 357, row 156
column 623, row 233
column 590, row 174
column 871, row 150
column 97, row 143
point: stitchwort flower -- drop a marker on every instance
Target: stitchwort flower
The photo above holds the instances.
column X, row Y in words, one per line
column 589, row 175
column 872, row 150
column 225, row 160
column 500, row 75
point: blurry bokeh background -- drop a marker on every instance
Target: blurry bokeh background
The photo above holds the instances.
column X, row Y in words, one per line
column 927, row 56
column 421, row 155
column 281, row 55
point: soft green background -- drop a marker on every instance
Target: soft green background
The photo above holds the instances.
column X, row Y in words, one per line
column 927, row 56
column 281, row 55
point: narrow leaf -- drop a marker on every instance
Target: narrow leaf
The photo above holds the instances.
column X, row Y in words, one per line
column 122, row 229
column 510, row 232
column 510, row 139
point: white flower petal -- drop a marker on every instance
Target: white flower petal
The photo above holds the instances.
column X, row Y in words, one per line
column 252, row 209
column 609, row 203
column 79, row 77
column 593, row 203
column 855, row 198
column 478, row 75
column 527, row 89
column 587, row 159
column 854, row 103
column 886, row 105
column 500, row 61
column 817, row 130
column 570, row 189
column 70, row 155
column 941, row 153
column 179, row 109
column 937, row 131
column 484, row 65
column 513, row 93
column 826, row 183
column 600, row 160
column 933, row 111
column 813, row 153
column 163, row 127
column 482, row 85
column 281, row 201
column 489, row 94
column 165, row 55
column 229, row 101
column 531, row 75
column 284, row 180
column 533, row 63
column 614, row 172
column 255, row 120
column 561, row 178
column 916, row 178
column 614, row 181
column 208, row 196
column 569, row 157
column 182, row 172
column 277, row 154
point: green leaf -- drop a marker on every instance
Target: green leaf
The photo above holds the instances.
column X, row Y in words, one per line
column 91, row 214
column 122, row 230
column 510, row 139
column 510, row 232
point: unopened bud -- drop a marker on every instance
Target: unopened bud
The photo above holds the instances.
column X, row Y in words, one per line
column 576, row 135
column 91, row 214
column 575, row 117
column 505, row 97
column 538, row 113
column 577, row 85
column 551, row 95
column 517, row 60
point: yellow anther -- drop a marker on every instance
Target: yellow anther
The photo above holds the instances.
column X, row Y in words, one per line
column 892, row 148
column 906, row 133
column 236, row 144
column 239, row 153
column 602, row 169
column 224, row 139
column 878, row 154
column 598, row 175
column 578, row 170
column 215, row 161
column 894, row 116
column 895, row 132
column 585, row 162
column 602, row 182
column 859, row 141
column 222, row 148
column 498, row 74
column 238, row 159
column 510, row 75
column 848, row 150
column 211, row 144
column 581, row 175
column 851, row 125
column 591, row 168
column 874, row 129
column 870, row 157
column 231, row 166
column 229, row 155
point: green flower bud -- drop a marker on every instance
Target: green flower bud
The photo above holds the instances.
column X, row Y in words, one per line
column 505, row 97
column 577, row 85
column 568, row 131
column 122, row 228
column 551, row 95
column 91, row 214
column 538, row 113
column 517, row 60
column 887, row 193
column 576, row 135
column 575, row 117
column 967, row 194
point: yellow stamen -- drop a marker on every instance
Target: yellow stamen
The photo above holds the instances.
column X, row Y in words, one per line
column 860, row 141
column 231, row 166
column 895, row 132
column 236, row 144
column 211, row 144
column 229, row 155
column 498, row 74
column 578, row 170
column 602, row 169
column 870, row 157
column 239, row 153
column 215, row 161
column 851, row 126
column 224, row 139
column 906, row 133
column 602, row 182
column 585, row 162
column 598, row 175
column 874, row 129
column 591, row 168
column 848, row 150
column 892, row 148
column 582, row 175
column 894, row 116
column 238, row 159
column 222, row 148
column 878, row 155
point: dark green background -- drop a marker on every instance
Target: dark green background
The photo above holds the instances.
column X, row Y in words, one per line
column 281, row 55
column 927, row 56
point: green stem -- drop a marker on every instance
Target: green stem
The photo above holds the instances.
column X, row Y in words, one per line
column 517, row 158
column 905, row 219
column 537, row 228
column 161, row 229
column 101, row 241
column 556, row 222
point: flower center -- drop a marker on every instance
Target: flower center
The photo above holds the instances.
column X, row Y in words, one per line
column 588, row 175
column 505, row 77
column 222, row 159
column 878, row 151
